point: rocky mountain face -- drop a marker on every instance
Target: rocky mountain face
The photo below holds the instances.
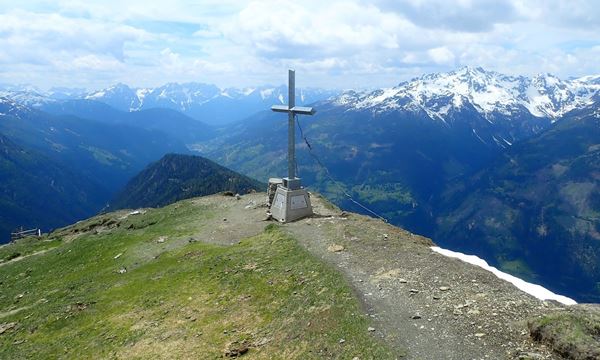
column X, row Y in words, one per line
column 177, row 177
column 513, row 107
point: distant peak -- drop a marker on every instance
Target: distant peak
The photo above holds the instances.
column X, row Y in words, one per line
column 120, row 86
column 545, row 76
column 472, row 69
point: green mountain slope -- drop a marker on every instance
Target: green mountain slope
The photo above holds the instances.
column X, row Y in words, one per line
column 125, row 286
column 38, row 192
column 109, row 153
column 176, row 177
column 168, row 121
column 394, row 162
column 535, row 212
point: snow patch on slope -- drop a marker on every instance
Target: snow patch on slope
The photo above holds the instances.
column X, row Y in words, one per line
column 534, row 290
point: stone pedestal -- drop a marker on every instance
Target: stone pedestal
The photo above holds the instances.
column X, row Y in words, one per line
column 290, row 205
column 272, row 189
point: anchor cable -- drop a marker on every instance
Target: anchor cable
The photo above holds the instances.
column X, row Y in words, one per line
column 330, row 177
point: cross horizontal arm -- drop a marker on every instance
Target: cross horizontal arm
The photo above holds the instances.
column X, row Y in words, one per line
column 280, row 108
column 302, row 110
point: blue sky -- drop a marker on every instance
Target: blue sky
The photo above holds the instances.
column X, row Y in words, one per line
column 335, row 44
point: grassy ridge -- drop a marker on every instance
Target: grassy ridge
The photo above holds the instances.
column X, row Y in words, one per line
column 574, row 334
column 177, row 299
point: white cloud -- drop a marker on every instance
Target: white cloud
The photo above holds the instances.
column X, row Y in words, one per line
column 95, row 62
column 441, row 55
column 25, row 30
column 287, row 29
column 243, row 43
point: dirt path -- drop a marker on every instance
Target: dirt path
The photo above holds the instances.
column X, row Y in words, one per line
column 238, row 218
column 426, row 305
column 19, row 258
column 432, row 306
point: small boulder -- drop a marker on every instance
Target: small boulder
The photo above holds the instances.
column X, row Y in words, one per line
column 4, row 327
column 236, row 349
column 335, row 248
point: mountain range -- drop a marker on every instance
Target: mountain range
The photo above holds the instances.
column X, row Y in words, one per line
column 205, row 102
column 415, row 154
column 490, row 92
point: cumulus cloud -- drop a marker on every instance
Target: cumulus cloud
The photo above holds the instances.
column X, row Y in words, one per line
column 350, row 43
column 25, row 30
column 441, row 55
column 287, row 29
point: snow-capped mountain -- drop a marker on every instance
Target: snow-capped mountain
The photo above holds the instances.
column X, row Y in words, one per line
column 119, row 96
column 34, row 97
column 204, row 102
column 26, row 97
column 490, row 93
column 11, row 107
column 441, row 96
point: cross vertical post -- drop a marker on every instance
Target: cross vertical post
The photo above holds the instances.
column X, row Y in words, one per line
column 292, row 182
column 290, row 201
column 291, row 125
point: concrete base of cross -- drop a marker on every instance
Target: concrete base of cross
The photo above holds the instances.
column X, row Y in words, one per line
column 290, row 205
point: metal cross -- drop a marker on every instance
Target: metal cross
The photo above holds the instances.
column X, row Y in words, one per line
column 292, row 110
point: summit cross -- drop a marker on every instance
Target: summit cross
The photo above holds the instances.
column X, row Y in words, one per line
column 291, row 182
